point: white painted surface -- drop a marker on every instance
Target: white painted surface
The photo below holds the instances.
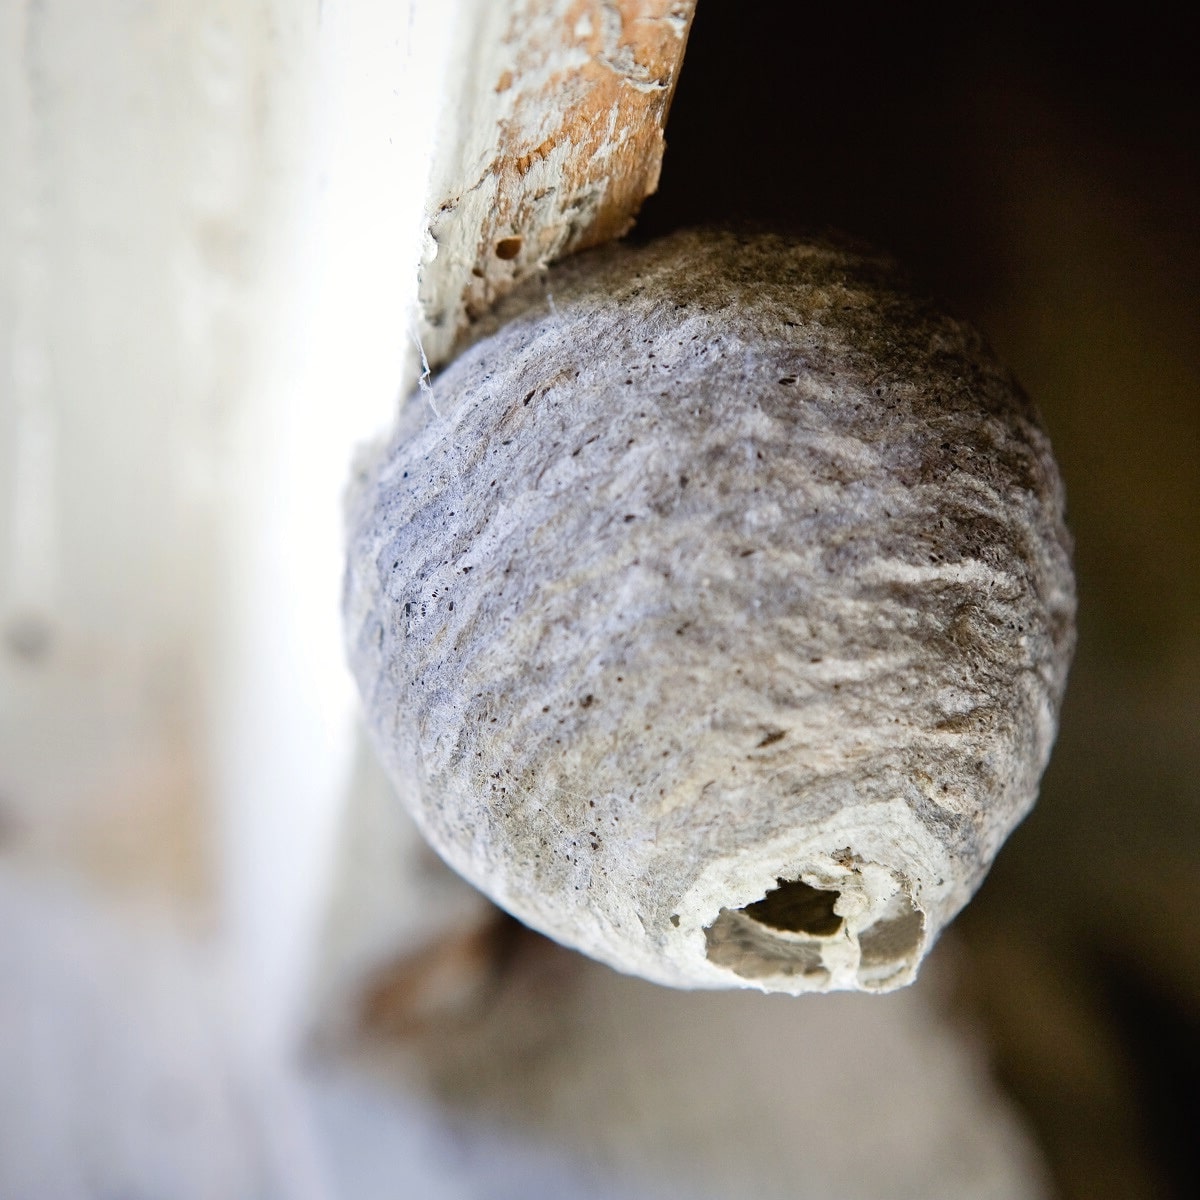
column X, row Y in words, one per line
column 210, row 216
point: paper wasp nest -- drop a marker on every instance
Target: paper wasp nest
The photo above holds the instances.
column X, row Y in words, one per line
column 713, row 613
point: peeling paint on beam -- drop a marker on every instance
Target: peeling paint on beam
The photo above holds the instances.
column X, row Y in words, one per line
column 553, row 139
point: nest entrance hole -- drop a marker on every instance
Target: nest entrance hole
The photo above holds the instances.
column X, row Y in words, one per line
column 778, row 934
column 797, row 907
column 783, row 934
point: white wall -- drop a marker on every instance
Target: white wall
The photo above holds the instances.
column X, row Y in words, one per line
column 209, row 224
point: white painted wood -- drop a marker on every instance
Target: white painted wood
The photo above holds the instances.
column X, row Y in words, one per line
column 209, row 229
column 551, row 137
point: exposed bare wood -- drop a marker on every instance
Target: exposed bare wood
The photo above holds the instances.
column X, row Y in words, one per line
column 554, row 140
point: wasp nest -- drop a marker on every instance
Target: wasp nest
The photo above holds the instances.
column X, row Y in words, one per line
column 713, row 613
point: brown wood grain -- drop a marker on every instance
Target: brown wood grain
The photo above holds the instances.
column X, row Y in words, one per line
column 572, row 131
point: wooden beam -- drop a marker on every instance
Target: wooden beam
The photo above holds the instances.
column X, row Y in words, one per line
column 551, row 140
